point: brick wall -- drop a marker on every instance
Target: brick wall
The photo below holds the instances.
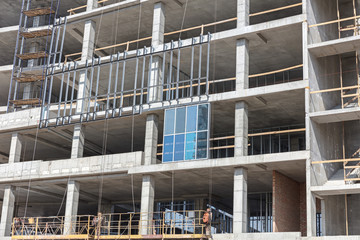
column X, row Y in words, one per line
column 289, row 204
column 303, row 209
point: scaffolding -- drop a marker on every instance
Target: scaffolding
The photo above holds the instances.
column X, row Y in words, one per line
column 164, row 225
column 34, row 52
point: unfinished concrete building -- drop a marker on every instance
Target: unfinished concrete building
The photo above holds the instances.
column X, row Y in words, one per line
column 128, row 119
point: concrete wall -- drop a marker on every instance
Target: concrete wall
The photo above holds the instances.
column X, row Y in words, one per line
column 286, row 204
column 18, row 120
column 322, row 11
column 321, row 74
column 353, row 214
column 63, row 168
column 335, row 215
column 352, row 138
column 326, row 144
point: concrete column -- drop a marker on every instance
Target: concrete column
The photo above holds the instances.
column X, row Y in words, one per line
column 88, row 40
column 147, row 204
column 241, row 129
column 323, row 217
column 158, row 24
column 243, row 10
column 91, row 4
column 87, row 54
column 77, row 148
column 151, row 139
column 311, row 214
column 15, row 148
column 242, row 64
column 71, row 208
column 88, row 48
column 240, row 201
column 156, row 65
column 7, row 213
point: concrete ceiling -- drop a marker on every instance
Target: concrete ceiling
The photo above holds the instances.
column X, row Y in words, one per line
column 45, row 199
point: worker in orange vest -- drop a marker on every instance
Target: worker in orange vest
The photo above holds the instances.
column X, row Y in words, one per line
column 207, row 221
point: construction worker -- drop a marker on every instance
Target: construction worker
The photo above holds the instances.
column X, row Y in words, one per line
column 97, row 222
column 17, row 225
column 207, row 221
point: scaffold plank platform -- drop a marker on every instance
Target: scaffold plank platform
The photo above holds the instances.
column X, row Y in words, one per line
column 38, row 12
column 30, row 78
column 28, row 56
column 36, row 34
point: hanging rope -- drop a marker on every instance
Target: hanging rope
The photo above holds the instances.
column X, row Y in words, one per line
column 17, row 200
column 104, row 151
column 210, row 186
column 32, row 159
column 64, row 196
column 116, row 29
column 133, row 118
column 172, row 189
column 183, row 19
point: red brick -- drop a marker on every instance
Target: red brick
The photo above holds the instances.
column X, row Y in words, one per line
column 289, row 204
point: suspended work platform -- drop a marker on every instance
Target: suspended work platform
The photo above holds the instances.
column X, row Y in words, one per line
column 164, row 225
column 38, row 12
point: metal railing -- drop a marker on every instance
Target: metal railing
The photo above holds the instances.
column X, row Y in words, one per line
column 165, row 224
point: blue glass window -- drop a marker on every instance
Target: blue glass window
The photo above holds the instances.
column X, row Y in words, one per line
column 179, row 147
column 168, row 148
column 186, row 132
column 202, row 145
column 169, row 121
column 190, row 146
column 180, row 120
column 191, row 119
column 203, row 117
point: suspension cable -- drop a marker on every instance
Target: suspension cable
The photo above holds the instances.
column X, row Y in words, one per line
column 183, row 18
column 104, row 151
column 29, row 183
column 133, row 117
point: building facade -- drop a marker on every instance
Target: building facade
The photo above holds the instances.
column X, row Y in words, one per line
column 132, row 118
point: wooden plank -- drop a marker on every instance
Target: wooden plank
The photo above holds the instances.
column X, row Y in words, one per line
column 352, row 179
column 276, row 71
column 333, row 21
column 351, row 95
column 351, row 167
column 36, row 34
column 28, row 56
column 275, row 9
column 337, row 161
column 72, row 10
column 222, row 147
column 350, row 101
column 30, row 78
column 222, row 138
column 334, row 89
column 30, row 101
column 38, row 12
column 277, row 132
